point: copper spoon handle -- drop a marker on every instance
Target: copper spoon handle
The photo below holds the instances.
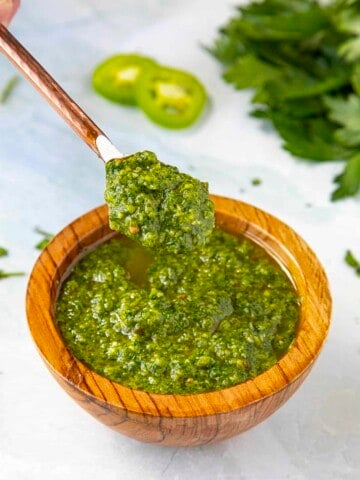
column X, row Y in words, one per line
column 31, row 69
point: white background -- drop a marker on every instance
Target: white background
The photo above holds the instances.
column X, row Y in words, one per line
column 48, row 177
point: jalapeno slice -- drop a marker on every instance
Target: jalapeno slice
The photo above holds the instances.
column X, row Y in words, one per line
column 170, row 97
column 116, row 77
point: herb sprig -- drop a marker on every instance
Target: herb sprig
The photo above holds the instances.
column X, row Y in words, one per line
column 302, row 58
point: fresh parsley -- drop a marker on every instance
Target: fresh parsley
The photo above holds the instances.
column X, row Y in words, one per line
column 47, row 237
column 8, row 89
column 349, row 180
column 302, row 59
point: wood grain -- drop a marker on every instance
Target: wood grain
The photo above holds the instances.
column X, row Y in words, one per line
column 183, row 420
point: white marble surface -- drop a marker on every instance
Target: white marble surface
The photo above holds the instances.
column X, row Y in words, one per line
column 48, row 177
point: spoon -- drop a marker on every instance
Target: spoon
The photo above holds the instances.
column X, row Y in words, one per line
column 65, row 106
column 179, row 214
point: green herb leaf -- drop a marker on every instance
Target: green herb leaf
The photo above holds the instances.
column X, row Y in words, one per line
column 348, row 19
column 3, row 252
column 284, row 25
column 226, row 49
column 349, row 181
column 301, row 57
column 295, row 108
column 346, row 112
column 296, row 85
column 249, row 71
column 45, row 241
column 311, row 139
column 4, row 274
column 355, row 78
column 352, row 262
column 350, row 49
column 256, row 181
column 8, row 89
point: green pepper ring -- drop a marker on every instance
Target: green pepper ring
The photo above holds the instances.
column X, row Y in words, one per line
column 170, row 97
column 116, row 77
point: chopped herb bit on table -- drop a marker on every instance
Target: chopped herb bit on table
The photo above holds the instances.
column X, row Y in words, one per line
column 3, row 253
column 47, row 237
column 302, row 60
column 256, row 181
column 4, row 274
column 352, row 262
column 8, row 89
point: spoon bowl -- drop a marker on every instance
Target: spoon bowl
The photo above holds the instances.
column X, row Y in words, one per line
column 182, row 420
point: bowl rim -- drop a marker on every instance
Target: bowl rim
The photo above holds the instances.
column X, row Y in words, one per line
column 280, row 240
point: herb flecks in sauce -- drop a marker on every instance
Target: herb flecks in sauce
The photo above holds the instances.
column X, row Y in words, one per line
column 190, row 323
column 157, row 205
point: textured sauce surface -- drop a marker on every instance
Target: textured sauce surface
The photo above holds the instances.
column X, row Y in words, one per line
column 190, row 323
column 156, row 204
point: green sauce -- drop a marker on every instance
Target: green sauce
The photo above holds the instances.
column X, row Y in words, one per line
column 188, row 323
column 157, row 205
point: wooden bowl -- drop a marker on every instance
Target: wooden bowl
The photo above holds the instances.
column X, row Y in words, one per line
column 182, row 420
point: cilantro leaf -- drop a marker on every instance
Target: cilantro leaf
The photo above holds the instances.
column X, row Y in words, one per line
column 301, row 59
column 347, row 137
column 270, row 7
column 249, row 71
column 355, row 79
column 349, row 180
column 298, row 25
column 350, row 49
column 348, row 19
column 301, row 108
column 294, row 85
column 226, row 49
column 345, row 112
column 311, row 139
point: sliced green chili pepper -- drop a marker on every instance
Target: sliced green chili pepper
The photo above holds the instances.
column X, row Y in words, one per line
column 116, row 77
column 172, row 98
